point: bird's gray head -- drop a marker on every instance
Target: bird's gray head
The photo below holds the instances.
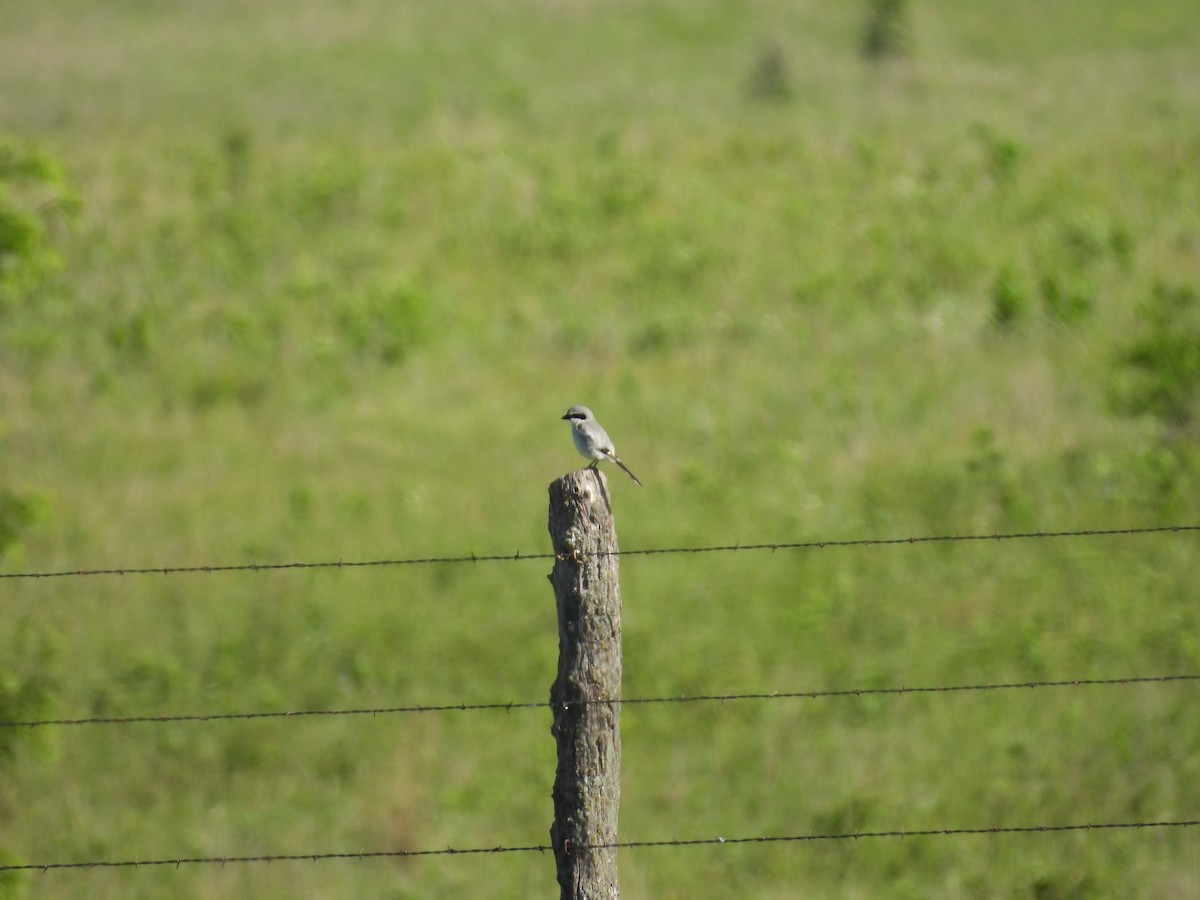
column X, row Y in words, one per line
column 580, row 413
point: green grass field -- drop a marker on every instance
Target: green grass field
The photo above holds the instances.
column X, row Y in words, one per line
column 316, row 282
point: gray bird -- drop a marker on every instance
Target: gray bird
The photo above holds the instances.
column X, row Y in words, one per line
column 592, row 440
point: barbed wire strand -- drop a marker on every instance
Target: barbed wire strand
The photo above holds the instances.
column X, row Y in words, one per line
column 626, row 701
column 654, row 551
column 617, row 845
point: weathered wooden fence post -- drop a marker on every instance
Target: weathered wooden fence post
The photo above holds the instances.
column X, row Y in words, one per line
column 587, row 785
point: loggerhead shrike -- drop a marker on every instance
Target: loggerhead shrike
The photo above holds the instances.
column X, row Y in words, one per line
column 591, row 440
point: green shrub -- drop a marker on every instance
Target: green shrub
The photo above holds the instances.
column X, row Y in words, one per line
column 1160, row 368
column 34, row 195
column 13, row 885
column 384, row 321
column 769, row 76
column 886, row 29
column 17, row 513
column 28, row 681
column 1010, row 299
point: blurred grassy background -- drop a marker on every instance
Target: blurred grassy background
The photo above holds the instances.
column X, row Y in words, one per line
column 315, row 281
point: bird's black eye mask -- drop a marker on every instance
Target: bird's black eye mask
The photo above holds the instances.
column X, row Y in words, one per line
column 575, row 416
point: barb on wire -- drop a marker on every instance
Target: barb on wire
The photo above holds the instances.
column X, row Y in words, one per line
column 619, row 845
column 622, row 701
column 654, row 551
